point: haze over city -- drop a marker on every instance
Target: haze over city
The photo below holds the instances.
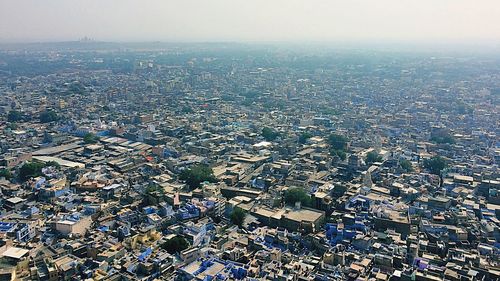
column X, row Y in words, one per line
column 251, row 20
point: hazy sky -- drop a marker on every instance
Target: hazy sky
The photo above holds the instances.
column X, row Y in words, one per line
column 250, row 20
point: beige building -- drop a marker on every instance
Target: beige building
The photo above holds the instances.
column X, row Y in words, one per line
column 67, row 227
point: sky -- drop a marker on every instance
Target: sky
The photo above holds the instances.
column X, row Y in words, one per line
column 250, row 20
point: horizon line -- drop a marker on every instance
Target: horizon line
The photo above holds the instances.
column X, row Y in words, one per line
column 405, row 45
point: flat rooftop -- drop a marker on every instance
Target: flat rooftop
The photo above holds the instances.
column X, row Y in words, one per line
column 15, row 253
column 303, row 215
column 56, row 149
column 62, row 162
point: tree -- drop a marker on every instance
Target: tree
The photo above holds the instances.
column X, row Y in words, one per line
column 444, row 138
column 5, row 173
column 187, row 109
column 196, row 175
column 30, row 169
column 14, row 116
column 406, row 165
column 373, row 157
column 52, row 164
column 463, row 108
column 328, row 111
column 76, row 88
column 154, row 188
column 90, row 138
column 238, row 216
column 11, row 126
column 297, row 194
column 304, row 137
column 338, row 146
column 269, row 134
column 48, row 116
column 72, row 174
column 435, row 164
column 175, row 245
column 338, row 142
column 340, row 153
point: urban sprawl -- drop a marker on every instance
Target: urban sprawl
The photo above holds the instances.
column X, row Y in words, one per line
column 247, row 162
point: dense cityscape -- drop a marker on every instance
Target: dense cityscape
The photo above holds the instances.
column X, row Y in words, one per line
column 228, row 161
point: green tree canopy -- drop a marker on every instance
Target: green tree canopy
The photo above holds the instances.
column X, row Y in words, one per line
column 11, row 126
column 187, row 109
column 338, row 152
column 435, row 164
column 338, row 142
column 30, row 169
column 154, row 188
column 76, row 88
column 196, row 175
column 238, row 216
column 304, row 137
column 48, row 116
column 52, row 163
column 5, row 173
column 463, row 108
column 175, row 245
column 90, row 138
column 297, row 194
column 328, row 111
column 406, row 165
column 269, row 134
column 373, row 157
column 443, row 138
column 14, row 116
